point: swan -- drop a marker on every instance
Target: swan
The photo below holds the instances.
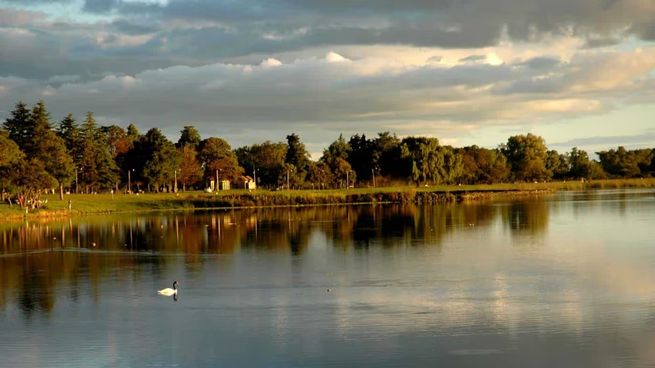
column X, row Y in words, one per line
column 169, row 291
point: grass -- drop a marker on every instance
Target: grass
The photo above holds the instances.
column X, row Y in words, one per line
column 107, row 203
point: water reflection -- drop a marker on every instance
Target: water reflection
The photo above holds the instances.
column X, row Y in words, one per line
column 480, row 283
column 285, row 229
column 124, row 240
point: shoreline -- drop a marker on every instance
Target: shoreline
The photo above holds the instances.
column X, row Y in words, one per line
column 104, row 204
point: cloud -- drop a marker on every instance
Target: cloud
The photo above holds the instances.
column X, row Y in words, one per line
column 319, row 97
column 201, row 32
column 633, row 140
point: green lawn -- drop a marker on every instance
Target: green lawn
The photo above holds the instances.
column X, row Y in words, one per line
column 107, row 203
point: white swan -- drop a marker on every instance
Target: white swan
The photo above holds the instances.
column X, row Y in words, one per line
column 169, row 291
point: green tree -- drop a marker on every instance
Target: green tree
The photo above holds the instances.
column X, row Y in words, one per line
column 360, row 157
column 386, row 156
column 161, row 160
column 581, row 165
column 620, row 163
column 69, row 131
column 133, row 132
column 320, row 175
column 297, row 156
column 47, row 147
column 29, row 179
column 527, row 156
column 426, row 161
column 336, row 158
column 482, row 165
column 18, row 125
column 216, row 156
column 452, row 167
column 10, row 157
column 266, row 158
column 97, row 168
column 189, row 136
column 557, row 164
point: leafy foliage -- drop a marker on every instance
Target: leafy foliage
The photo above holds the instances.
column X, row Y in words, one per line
column 216, row 156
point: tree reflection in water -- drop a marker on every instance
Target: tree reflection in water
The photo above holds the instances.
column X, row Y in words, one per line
column 38, row 256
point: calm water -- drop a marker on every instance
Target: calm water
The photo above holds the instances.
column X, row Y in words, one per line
column 567, row 280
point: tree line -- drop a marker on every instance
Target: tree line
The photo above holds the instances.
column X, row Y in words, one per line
column 37, row 153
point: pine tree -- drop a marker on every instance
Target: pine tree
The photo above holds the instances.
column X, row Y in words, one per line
column 17, row 125
column 69, row 131
column 98, row 169
column 49, row 148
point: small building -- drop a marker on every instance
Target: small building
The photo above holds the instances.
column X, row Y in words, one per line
column 248, row 182
column 224, row 185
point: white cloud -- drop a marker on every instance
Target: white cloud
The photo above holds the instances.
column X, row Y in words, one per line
column 413, row 95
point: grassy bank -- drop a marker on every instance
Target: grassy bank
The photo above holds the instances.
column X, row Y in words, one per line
column 106, row 203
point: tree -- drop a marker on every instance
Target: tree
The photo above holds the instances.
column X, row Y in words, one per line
column 69, row 131
column 387, row 154
column 527, row 156
column 320, row 175
column 190, row 169
column 267, row 159
column 29, row 179
column 97, row 167
column 47, row 147
column 482, row 165
column 161, row 159
column 216, row 156
column 620, row 162
column 10, row 157
column 360, row 157
column 452, row 167
column 18, row 125
column 297, row 156
column 336, row 159
column 581, row 166
column 189, row 136
column 423, row 160
column 133, row 132
column 557, row 164
column 118, row 141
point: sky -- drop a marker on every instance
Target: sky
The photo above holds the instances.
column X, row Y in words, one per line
column 576, row 72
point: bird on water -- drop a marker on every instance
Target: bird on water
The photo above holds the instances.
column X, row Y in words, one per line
column 169, row 291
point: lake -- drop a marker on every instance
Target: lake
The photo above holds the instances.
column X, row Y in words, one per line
column 564, row 280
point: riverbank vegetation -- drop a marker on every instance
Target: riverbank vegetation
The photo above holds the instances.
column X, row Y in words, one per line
column 104, row 203
column 39, row 156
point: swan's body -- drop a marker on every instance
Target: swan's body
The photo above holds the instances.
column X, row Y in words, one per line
column 169, row 291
